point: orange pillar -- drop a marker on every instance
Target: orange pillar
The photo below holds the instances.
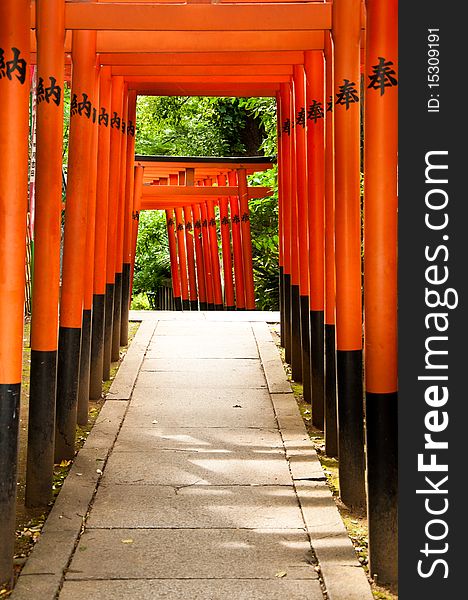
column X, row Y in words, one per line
column 285, row 180
column 331, row 420
column 316, row 163
column 197, row 237
column 117, row 318
column 85, row 355
column 100, row 242
column 115, row 118
column 296, row 354
column 246, row 239
column 207, row 257
column 214, row 252
column 193, row 295
column 127, row 238
column 380, row 285
column 280, row 216
column 301, row 175
column 173, row 257
column 50, row 33
column 181, row 251
column 226, row 248
column 347, row 37
column 74, row 248
column 14, row 120
column 137, row 190
column 237, row 245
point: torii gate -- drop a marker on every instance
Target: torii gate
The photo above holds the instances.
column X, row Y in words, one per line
column 308, row 55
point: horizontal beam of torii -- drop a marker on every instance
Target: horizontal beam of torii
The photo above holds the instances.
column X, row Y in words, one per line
column 208, row 89
column 183, row 17
column 206, row 41
column 191, row 194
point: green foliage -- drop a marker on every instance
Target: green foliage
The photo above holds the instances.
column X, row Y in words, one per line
column 203, row 126
column 152, row 263
column 264, row 229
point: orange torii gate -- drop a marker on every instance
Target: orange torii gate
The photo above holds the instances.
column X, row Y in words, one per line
column 181, row 200
column 308, row 55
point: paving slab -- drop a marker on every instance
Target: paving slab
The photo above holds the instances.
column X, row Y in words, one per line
column 194, row 347
column 193, row 589
column 250, row 378
column 254, row 440
column 169, row 407
column 238, row 507
column 160, row 467
column 192, row 553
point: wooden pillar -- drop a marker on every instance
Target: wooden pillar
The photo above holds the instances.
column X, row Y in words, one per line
column 246, row 239
column 237, row 245
column 280, row 217
column 346, row 37
column 207, row 257
column 128, row 220
column 117, row 318
column 173, row 258
column 285, row 179
column 380, row 285
column 137, row 190
column 85, row 355
column 214, row 253
column 14, row 121
column 100, row 242
column 296, row 354
column 316, row 162
column 331, row 417
column 197, row 237
column 117, row 85
column 182, row 254
column 193, row 295
column 301, row 175
column 50, row 33
column 226, row 248
column 74, row 248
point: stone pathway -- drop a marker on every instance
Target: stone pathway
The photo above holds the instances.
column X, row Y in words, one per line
column 198, row 481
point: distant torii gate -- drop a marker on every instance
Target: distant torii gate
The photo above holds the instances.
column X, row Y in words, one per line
column 191, row 193
column 308, row 55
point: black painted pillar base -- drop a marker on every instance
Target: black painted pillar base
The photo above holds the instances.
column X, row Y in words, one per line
column 115, row 351
column 108, row 319
column 193, row 304
column 305, row 346
column 219, row 306
column 240, row 308
column 85, row 362
column 331, row 419
column 125, row 304
column 230, row 308
column 68, row 364
column 210, row 306
column 185, row 304
column 177, row 303
column 9, row 426
column 351, row 428
column 281, row 305
column 97, row 347
column 317, row 358
column 382, row 482
column 203, row 306
column 296, row 354
column 41, row 428
column 287, row 318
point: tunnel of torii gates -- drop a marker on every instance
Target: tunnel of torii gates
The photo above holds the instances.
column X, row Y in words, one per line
column 331, row 67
